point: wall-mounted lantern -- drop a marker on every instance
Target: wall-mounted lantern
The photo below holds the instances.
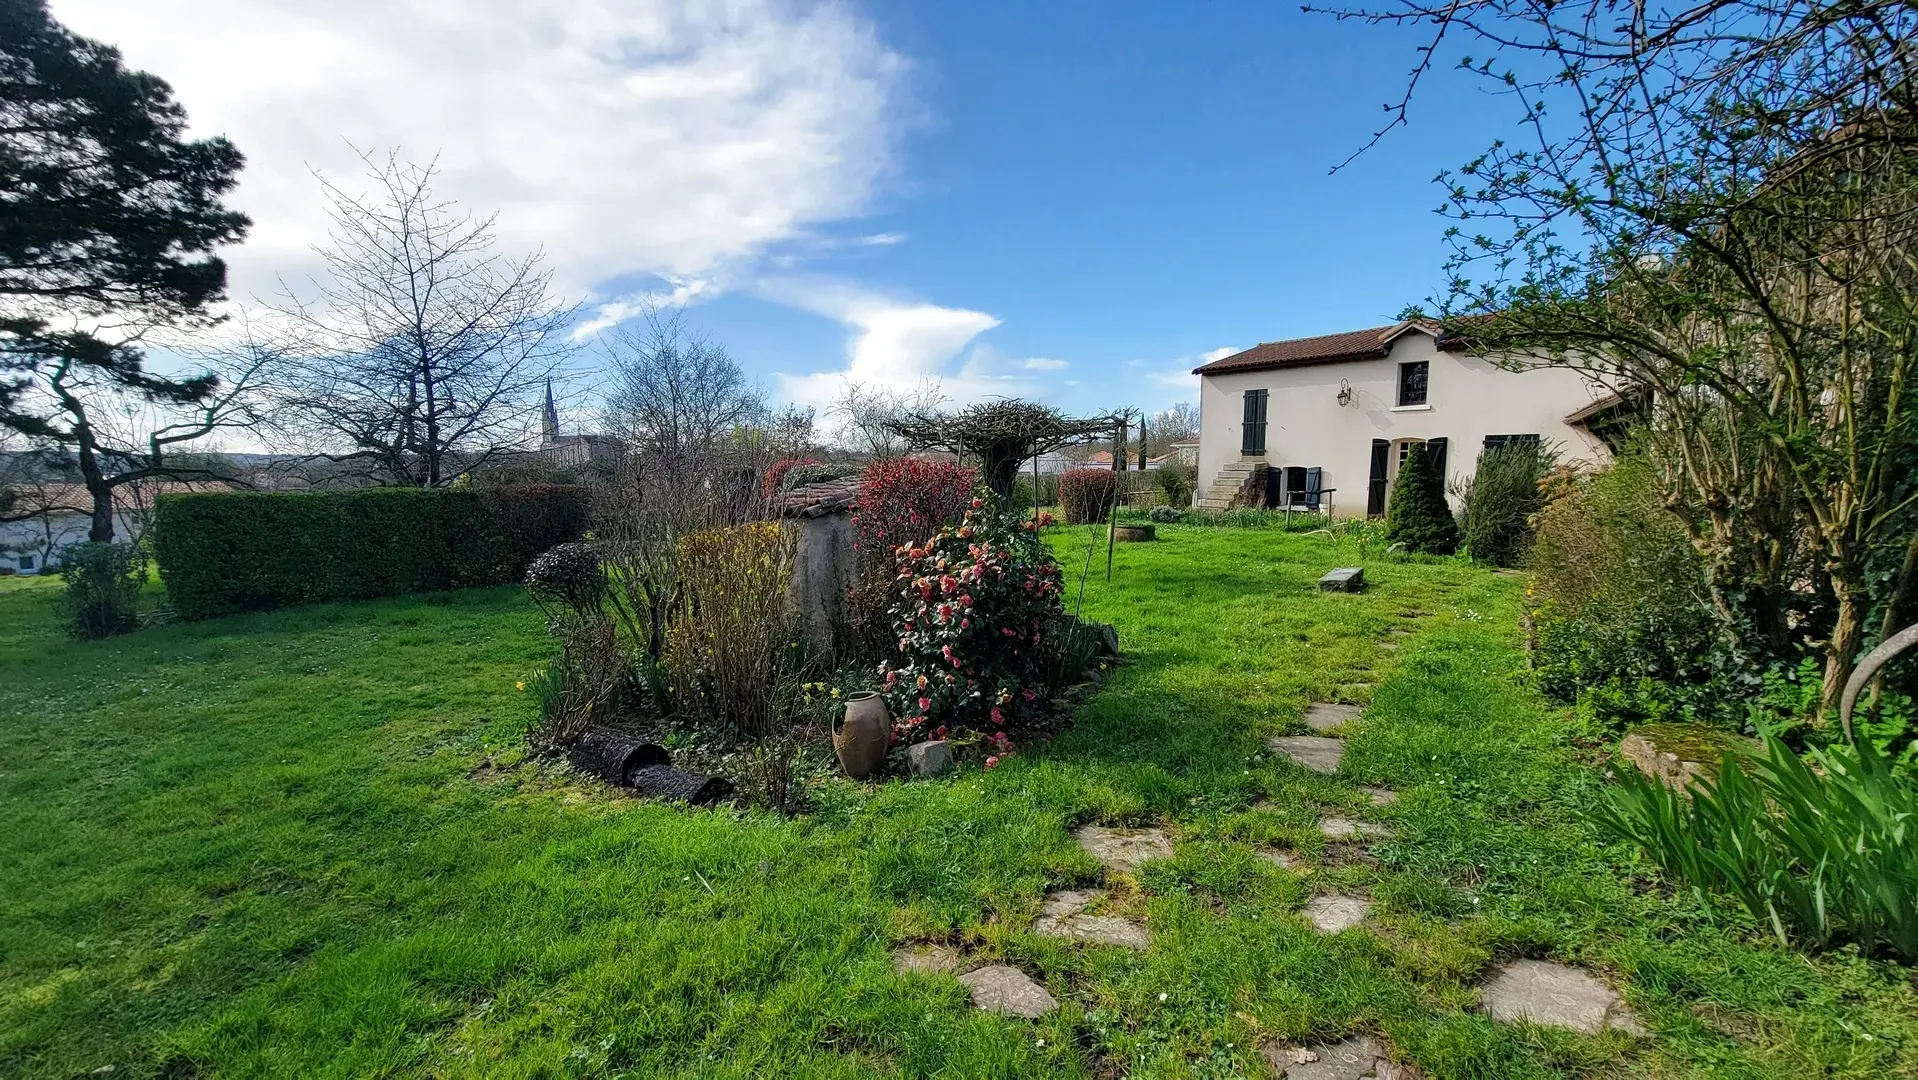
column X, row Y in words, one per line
column 1345, row 393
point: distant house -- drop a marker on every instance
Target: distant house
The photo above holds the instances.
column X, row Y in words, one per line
column 61, row 516
column 1324, row 422
column 1102, row 459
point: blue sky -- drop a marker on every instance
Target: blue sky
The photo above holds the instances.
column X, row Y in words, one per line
column 1073, row 201
column 1128, row 187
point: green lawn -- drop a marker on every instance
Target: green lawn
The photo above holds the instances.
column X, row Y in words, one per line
column 305, row 844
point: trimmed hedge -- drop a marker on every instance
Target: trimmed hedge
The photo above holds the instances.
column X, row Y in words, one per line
column 223, row 552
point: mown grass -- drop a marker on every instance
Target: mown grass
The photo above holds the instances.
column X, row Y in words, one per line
column 306, row 844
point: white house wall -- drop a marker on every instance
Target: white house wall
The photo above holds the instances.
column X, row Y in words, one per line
column 1467, row 398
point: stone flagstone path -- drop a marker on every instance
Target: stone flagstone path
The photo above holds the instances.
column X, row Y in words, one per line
column 1361, row 1057
column 1322, row 716
column 1315, row 752
column 1123, row 849
column 1009, row 992
column 1332, row 913
column 1063, row 915
column 1556, row 996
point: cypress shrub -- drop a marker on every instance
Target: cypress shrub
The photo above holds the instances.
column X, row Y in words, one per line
column 1501, row 499
column 222, row 552
column 1418, row 515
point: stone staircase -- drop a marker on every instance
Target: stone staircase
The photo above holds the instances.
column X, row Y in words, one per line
column 1227, row 483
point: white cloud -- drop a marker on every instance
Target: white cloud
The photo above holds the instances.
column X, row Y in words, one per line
column 1041, row 363
column 896, row 344
column 1177, row 375
column 625, row 137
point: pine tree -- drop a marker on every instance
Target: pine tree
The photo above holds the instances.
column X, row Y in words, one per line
column 1418, row 515
column 108, row 220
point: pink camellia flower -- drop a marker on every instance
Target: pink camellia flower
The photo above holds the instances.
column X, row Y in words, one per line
column 940, row 732
column 977, row 503
column 992, row 761
column 998, row 717
column 1029, row 695
column 925, row 703
column 965, row 600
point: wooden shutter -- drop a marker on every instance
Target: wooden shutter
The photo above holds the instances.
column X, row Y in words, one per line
column 1252, row 430
column 1435, row 450
column 1375, row 488
column 1314, row 478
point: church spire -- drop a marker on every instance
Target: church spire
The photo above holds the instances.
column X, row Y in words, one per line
column 549, row 420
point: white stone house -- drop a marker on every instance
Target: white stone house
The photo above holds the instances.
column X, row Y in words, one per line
column 1323, row 422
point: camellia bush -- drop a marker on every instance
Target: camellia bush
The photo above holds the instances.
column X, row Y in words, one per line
column 979, row 619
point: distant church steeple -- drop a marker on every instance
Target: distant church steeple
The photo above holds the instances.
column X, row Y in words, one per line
column 549, row 421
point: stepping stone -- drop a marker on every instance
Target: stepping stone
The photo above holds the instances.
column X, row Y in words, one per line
column 925, row 959
column 1361, row 1057
column 1399, row 631
column 1008, row 991
column 1555, row 995
column 1123, row 849
column 1334, row 913
column 1380, row 796
column 1321, row 716
column 1063, row 915
column 1338, row 828
column 1389, row 646
column 1282, row 860
column 1315, row 752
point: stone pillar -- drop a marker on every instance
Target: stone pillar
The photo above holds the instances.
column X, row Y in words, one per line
column 822, row 575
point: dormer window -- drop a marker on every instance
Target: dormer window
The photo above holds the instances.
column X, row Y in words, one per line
column 1412, row 377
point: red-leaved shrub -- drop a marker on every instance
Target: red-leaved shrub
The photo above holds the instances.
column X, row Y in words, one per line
column 1086, row 494
column 780, row 468
column 901, row 501
column 977, row 611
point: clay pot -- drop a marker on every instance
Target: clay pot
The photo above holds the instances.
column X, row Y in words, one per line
column 860, row 736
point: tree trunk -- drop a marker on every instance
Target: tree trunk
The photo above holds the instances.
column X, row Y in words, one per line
column 1847, row 631
column 1896, row 607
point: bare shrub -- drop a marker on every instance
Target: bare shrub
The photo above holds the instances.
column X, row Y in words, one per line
column 730, row 637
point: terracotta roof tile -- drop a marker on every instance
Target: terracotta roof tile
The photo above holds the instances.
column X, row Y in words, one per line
column 1325, row 349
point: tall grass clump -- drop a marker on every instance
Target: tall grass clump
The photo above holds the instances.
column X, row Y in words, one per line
column 1501, row 498
column 1824, row 854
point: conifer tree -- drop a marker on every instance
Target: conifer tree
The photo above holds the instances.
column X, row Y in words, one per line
column 1418, row 515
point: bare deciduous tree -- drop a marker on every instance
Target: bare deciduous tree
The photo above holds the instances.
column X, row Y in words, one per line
column 424, row 353
column 864, row 416
column 1176, row 422
column 677, row 399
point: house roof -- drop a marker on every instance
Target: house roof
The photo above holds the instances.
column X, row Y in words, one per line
column 1369, row 344
column 73, row 498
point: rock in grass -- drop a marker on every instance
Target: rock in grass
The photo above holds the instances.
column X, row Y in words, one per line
column 1554, row 995
column 1338, row 828
column 925, row 959
column 1677, row 754
column 1334, row 913
column 1315, row 752
column 1324, row 716
column 931, row 758
column 1008, row 991
column 1360, row 1057
column 1063, row 915
column 1123, row 849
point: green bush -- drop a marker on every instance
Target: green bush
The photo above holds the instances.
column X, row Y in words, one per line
column 1085, row 494
column 1501, row 498
column 1164, row 515
column 1820, row 854
column 1418, row 515
column 222, row 552
column 1177, row 481
column 103, row 588
column 1622, row 622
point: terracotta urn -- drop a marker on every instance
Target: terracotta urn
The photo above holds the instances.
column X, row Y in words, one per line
column 861, row 734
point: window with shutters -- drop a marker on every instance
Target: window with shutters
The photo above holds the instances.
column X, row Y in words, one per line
column 1412, row 380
